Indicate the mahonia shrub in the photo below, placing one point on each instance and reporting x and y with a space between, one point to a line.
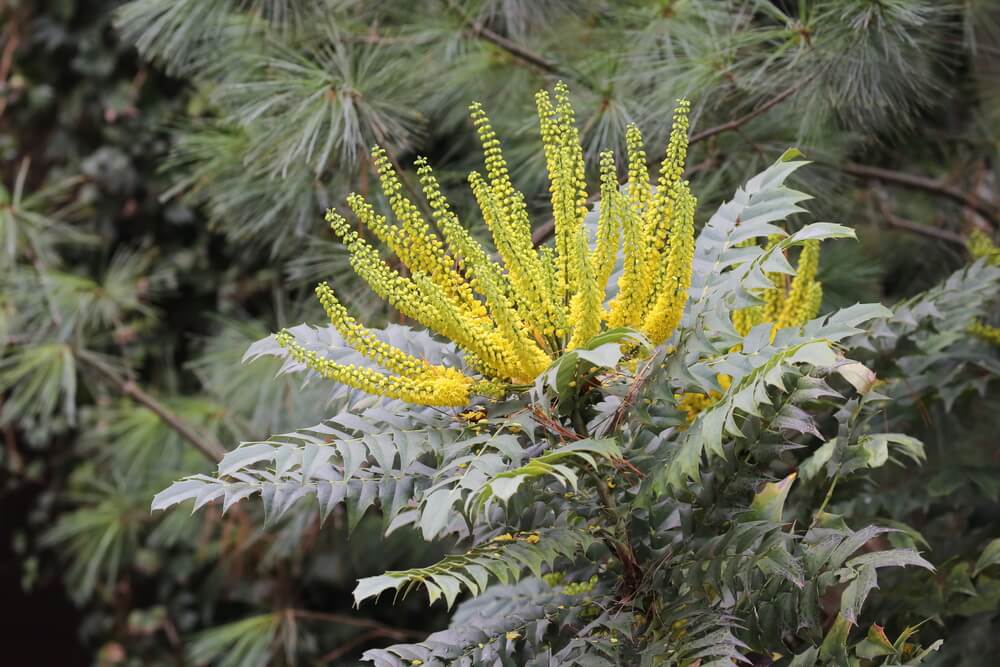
631 435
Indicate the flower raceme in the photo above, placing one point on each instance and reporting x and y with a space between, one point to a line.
789 302
514 315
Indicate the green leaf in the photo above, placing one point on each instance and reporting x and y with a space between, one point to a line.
790 154
859 375
834 646
854 596
813 465
436 512
375 586
603 356
504 557
890 558
805 659
779 561
186 489
768 504
875 645
990 556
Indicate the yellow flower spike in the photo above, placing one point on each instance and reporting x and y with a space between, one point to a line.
364 341
574 180
426 303
647 224
511 201
980 246
988 333
564 159
512 224
638 174
585 307
797 303
548 129
625 308
400 292
511 317
571 139
524 269
522 358
470 255
772 299
608 223
673 292
746 319
788 303
417 246
660 211
491 349
488 280
672 168
559 324
448 390
812 303
567 225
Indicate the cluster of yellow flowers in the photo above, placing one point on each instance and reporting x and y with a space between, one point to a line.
692 403
981 247
788 303
987 332
513 317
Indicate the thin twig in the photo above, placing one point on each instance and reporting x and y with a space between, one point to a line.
989 210
746 118
542 233
826 500
514 49
203 443
915 227
348 646
354 621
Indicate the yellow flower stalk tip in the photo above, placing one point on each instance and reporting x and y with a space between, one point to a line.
514 311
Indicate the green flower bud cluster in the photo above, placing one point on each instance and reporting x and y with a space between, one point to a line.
580 587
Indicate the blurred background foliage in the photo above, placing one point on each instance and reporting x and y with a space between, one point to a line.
165 168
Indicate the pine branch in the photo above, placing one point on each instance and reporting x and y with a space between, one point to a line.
535 60
203 443
915 227
736 123
932 186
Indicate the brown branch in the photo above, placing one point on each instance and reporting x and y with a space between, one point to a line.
736 123
988 210
345 648
915 227
203 443
514 49
542 234
7 59
358 622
